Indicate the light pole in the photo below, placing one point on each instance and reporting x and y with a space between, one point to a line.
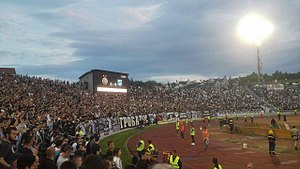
258 64
254 29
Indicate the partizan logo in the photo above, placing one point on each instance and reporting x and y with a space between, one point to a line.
104 80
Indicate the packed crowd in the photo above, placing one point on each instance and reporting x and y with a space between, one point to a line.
210 99
35 98
283 99
41 120
63 153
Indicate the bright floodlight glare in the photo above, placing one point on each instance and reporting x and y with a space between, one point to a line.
254 28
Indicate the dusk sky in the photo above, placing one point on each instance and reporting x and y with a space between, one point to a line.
161 40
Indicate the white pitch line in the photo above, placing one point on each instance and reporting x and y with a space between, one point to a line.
246 152
289 162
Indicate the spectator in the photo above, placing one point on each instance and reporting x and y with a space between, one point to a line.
81 150
64 155
110 150
58 146
77 160
143 162
133 163
36 162
65 141
68 165
161 166
117 158
93 162
48 162
93 146
27 144
109 163
6 153
26 161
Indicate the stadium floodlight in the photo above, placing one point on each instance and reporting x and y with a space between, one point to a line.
253 28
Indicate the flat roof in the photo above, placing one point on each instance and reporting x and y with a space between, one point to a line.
107 71
8 70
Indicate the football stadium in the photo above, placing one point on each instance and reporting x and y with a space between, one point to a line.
149 85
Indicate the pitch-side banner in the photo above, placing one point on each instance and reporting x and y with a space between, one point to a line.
132 121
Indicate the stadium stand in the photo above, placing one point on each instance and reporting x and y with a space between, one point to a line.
58 113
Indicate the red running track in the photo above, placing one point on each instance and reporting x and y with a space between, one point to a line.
230 156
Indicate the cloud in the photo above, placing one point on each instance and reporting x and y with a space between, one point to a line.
138 15
26 42
45 52
147 39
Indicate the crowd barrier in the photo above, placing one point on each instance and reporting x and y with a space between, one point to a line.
111 126
261 125
253 131
108 126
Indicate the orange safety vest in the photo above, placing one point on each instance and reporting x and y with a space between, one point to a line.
205 134
182 128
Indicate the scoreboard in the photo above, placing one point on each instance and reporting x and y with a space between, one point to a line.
105 81
111 82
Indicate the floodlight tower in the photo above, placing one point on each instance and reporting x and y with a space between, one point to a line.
258 63
254 28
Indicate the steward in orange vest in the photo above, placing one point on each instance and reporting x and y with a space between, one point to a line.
182 129
205 138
